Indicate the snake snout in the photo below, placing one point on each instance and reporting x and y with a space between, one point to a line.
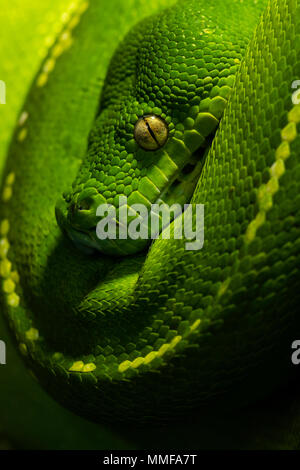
79 213
79 217
82 210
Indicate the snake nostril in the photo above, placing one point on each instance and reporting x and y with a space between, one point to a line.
82 210
80 206
84 205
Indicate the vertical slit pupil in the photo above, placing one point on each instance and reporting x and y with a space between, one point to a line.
150 131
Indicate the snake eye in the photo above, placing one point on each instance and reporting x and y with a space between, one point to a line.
151 132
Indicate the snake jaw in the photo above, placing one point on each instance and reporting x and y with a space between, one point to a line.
78 217
171 178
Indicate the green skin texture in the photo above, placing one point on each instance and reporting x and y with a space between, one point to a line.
117 310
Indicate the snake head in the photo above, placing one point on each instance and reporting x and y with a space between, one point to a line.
160 106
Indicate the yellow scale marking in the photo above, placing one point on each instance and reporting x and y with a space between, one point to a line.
160 353
265 201
266 191
10 278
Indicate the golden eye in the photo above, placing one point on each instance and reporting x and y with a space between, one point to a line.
151 132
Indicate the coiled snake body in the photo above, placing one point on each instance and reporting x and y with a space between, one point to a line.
157 331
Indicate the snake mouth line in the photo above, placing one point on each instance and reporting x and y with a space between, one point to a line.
183 184
178 190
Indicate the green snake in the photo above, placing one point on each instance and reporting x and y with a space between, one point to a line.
151 332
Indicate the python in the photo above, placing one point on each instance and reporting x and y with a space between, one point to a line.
157 335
